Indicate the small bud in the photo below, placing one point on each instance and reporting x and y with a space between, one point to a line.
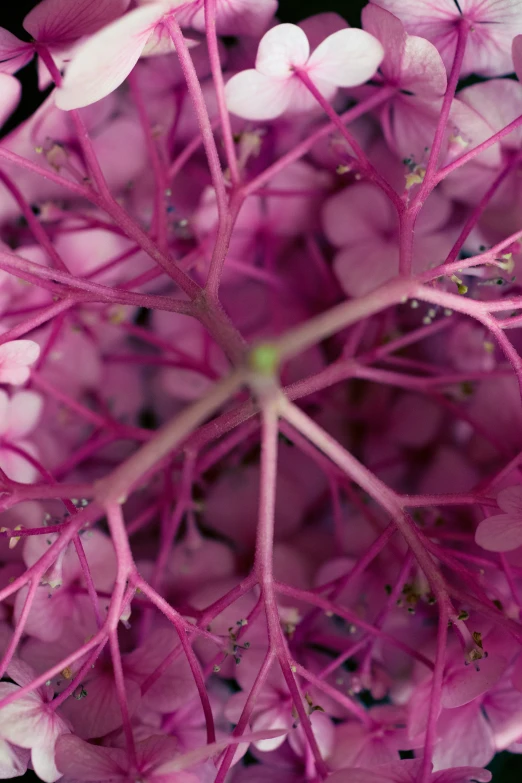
13 541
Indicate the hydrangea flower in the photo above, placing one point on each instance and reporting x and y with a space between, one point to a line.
344 59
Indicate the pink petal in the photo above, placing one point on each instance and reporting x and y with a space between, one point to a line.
10 91
397 772
193 757
281 49
60 21
42 758
25 408
423 71
500 533
391 33
462 775
15 358
510 500
516 51
4 409
79 760
370 214
99 713
13 760
233 17
465 737
254 96
362 268
320 26
346 58
105 60
14 53
467 682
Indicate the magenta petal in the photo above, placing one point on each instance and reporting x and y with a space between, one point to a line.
81 761
467 682
62 21
510 500
500 533
14 53
10 91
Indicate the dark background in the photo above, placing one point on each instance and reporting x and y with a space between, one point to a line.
506 768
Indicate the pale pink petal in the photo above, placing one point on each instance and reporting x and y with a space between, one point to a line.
14 53
268 719
500 533
346 58
4 411
60 21
423 71
25 408
13 760
10 91
105 60
282 49
15 358
510 500
42 758
254 96
498 102
79 760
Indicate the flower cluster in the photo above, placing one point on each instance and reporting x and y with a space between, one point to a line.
260 394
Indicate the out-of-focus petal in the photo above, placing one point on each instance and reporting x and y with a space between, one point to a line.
500 533
61 21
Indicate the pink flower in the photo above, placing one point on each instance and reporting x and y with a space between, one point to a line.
15 359
503 532
344 59
30 721
492 26
414 66
369 251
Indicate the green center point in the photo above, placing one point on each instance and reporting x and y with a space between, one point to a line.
264 359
